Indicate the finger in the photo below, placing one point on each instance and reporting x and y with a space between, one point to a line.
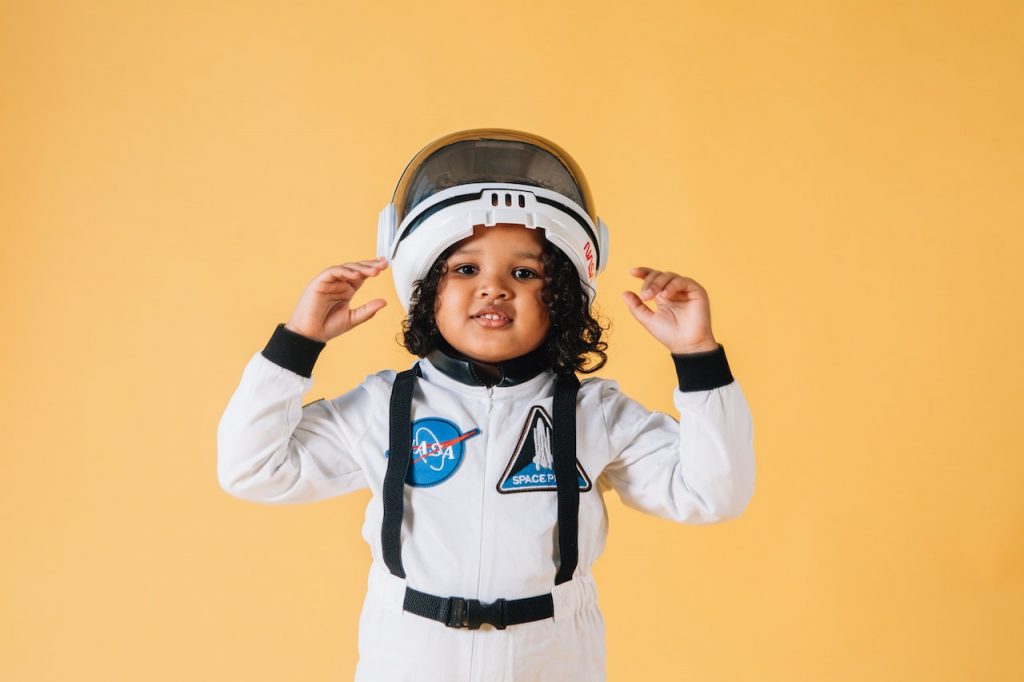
341 283
639 271
345 272
640 311
376 263
646 289
680 285
363 267
367 310
360 267
657 283
363 271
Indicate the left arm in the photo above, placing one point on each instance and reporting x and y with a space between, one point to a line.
701 468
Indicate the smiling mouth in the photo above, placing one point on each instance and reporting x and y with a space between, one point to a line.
492 321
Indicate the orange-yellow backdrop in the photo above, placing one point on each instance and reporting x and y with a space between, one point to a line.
840 177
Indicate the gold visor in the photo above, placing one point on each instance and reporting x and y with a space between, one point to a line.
485 155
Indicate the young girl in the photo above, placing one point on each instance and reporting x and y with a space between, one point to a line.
487 458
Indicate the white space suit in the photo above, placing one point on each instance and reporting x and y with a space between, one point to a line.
480 505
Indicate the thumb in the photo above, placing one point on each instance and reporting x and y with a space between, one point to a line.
367 310
640 311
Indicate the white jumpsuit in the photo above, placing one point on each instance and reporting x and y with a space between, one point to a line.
480 511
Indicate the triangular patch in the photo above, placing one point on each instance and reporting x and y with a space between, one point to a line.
531 465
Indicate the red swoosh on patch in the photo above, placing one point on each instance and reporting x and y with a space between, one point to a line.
444 444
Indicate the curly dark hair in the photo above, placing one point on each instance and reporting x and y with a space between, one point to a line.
574 334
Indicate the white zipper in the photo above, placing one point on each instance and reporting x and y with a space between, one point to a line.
474 654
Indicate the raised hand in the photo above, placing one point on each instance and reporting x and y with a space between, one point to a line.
325 311
682 320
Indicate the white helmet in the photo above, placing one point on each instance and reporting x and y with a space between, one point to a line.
487 176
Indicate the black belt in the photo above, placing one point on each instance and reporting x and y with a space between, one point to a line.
459 612
456 612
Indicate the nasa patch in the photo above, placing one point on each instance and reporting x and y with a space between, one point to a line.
531 466
438 446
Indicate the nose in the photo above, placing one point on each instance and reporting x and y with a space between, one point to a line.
493 286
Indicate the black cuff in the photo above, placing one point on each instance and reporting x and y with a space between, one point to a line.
702 371
293 351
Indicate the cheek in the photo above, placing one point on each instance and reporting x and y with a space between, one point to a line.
441 312
442 285
448 304
543 299
439 299
540 312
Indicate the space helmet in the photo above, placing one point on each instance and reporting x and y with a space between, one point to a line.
487 176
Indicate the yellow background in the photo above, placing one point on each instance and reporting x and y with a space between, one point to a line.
839 175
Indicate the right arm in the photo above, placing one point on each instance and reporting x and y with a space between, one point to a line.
270 447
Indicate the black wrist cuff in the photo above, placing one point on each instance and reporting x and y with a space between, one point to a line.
293 351
702 371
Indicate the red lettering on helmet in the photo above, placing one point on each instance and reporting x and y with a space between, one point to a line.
588 253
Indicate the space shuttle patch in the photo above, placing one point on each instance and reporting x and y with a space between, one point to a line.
531 466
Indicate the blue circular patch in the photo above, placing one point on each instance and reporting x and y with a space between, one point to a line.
437 449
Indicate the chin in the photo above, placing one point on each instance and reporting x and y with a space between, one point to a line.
490 354
491 357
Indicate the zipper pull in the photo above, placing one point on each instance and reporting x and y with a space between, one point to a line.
490 398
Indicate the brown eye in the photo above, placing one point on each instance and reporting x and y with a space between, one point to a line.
530 274
461 267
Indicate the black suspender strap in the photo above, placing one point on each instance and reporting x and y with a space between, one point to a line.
399 457
563 445
471 613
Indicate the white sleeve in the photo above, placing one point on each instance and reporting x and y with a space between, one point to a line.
699 469
271 448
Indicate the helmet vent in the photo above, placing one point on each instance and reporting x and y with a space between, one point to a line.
519 198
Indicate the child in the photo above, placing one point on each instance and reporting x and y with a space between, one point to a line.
488 459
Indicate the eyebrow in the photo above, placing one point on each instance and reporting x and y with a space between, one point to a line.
515 254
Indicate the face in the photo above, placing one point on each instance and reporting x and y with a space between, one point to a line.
496 272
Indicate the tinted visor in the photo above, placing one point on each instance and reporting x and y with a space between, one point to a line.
475 161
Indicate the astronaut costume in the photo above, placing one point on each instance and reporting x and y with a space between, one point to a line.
487 508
